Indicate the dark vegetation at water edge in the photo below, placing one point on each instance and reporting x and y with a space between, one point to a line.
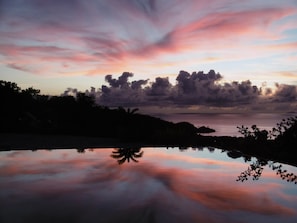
278 144
26 111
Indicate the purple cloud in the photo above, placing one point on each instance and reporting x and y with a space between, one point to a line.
285 93
196 89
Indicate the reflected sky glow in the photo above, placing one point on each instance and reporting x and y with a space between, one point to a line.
165 186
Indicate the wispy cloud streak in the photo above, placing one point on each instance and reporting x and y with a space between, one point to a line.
105 35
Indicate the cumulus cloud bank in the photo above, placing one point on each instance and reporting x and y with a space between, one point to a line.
195 89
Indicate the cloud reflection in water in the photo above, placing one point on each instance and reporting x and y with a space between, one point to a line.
65 186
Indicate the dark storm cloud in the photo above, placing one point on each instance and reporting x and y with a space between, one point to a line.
239 93
121 82
203 89
122 92
136 85
161 87
198 88
285 93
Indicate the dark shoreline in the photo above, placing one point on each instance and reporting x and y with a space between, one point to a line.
32 121
264 151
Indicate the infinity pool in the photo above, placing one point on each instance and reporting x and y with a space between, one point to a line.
144 185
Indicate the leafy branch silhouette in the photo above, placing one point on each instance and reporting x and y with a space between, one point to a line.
289 177
282 128
256 168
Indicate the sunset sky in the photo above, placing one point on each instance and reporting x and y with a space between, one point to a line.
55 45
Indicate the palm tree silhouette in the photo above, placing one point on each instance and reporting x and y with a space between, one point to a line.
125 154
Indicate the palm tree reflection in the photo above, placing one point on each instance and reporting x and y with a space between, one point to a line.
127 154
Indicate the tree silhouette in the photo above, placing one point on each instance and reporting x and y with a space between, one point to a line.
256 168
31 92
128 110
125 154
289 177
284 130
81 150
255 133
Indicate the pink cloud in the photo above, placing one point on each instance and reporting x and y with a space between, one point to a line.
221 28
216 197
291 46
228 199
233 25
195 160
288 74
95 38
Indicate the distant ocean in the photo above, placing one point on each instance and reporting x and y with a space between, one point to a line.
225 124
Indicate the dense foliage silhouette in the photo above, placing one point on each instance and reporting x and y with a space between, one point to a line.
280 142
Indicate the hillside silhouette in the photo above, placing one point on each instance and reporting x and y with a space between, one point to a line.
26 111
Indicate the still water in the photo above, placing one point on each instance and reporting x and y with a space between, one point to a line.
164 185
225 124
